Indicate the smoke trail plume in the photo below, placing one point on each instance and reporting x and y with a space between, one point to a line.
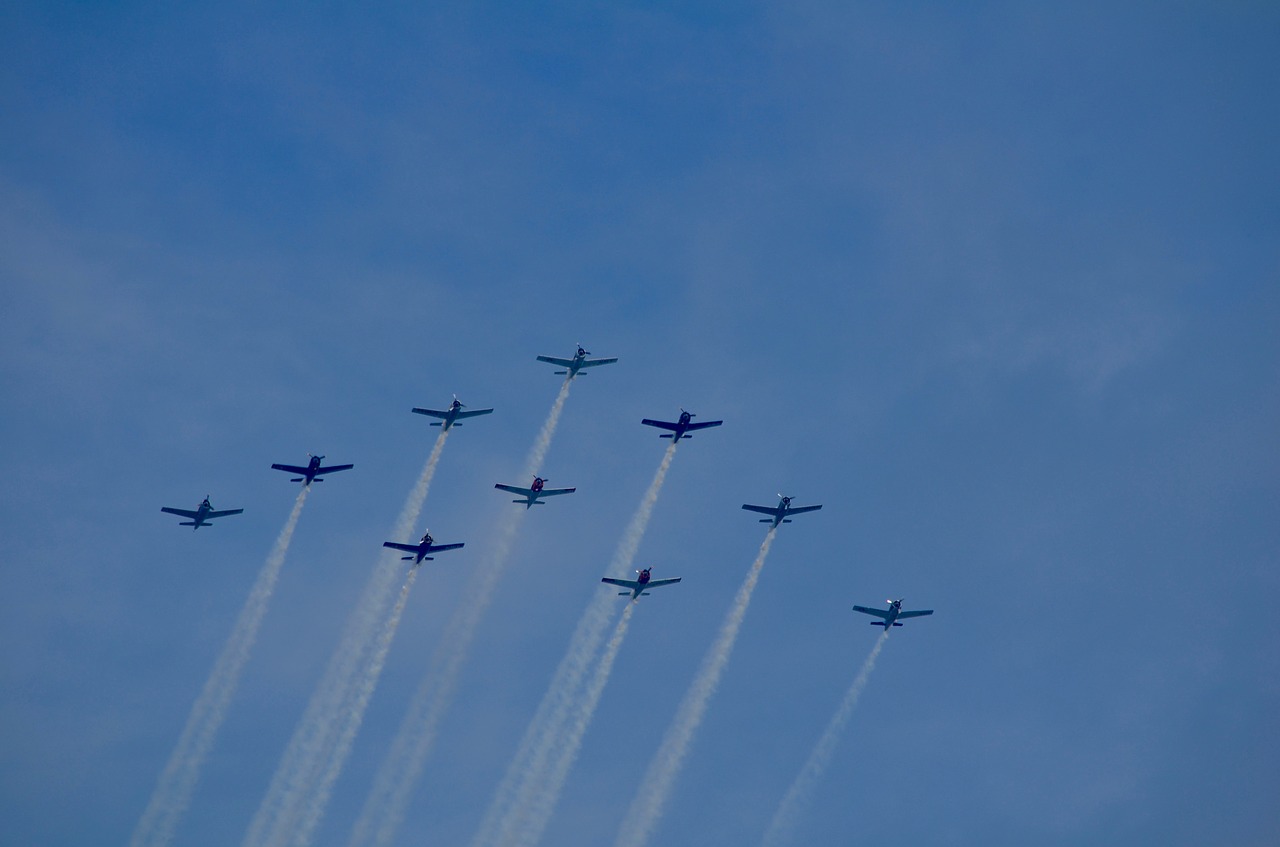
797 797
301 767
530 763
319 800
177 782
650 802
385 807
529 830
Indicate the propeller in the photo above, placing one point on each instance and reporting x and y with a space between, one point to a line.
458 402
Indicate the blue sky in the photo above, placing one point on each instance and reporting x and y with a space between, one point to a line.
998 286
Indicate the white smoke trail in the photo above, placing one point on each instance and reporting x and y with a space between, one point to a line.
528 767
385 807
177 782
797 797
300 768
314 809
530 829
531 760
647 808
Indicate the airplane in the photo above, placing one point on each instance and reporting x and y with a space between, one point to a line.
780 511
312 472
577 363
681 428
891 616
640 586
533 492
421 549
202 515
451 416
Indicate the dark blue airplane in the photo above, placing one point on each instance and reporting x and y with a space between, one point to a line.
420 550
640 586
779 512
312 472
891 615
680 428
202 514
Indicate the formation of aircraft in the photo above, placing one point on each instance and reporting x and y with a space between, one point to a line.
534 494
531 495
889 617
639 587
681 427
579 362
202 514
453 415
312 472
421 550
779 512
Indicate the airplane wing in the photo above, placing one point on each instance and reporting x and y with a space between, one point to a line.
654 583
703 425
432 413
548 492
624 583
591 363
473 413
436 548
289 468
916 614
796 510
662 424
407 548
764 510
224 513
523 492
334 469
564 363
186 513
879 613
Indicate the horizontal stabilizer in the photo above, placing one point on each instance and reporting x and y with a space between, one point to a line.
786 520
668 435
188 523
623 593
895 623
299 479
766 520
437 423
406 558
